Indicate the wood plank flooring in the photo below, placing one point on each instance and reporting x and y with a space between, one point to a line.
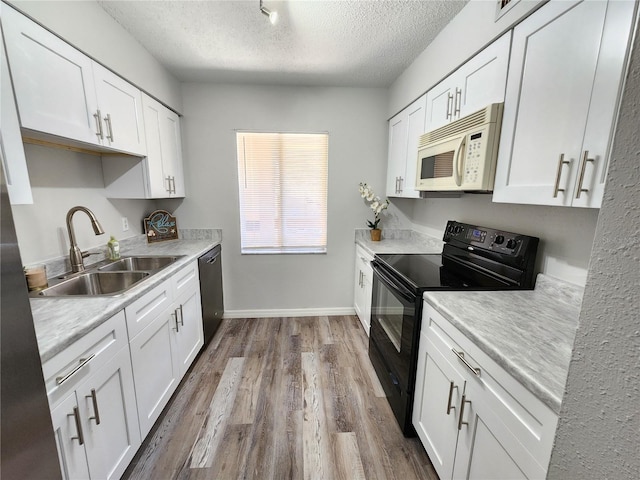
281 398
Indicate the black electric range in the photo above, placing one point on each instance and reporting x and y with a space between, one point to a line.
473 258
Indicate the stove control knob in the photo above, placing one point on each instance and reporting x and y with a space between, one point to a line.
511 244
499 240
457 229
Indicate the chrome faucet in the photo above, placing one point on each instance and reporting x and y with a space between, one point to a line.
76 256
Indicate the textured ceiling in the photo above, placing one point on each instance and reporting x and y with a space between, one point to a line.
339 42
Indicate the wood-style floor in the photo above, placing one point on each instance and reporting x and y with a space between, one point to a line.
281 398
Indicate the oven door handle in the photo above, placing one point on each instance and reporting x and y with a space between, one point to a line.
394 286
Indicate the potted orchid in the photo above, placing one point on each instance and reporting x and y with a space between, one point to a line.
377 205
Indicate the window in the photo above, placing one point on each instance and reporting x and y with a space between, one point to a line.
283 192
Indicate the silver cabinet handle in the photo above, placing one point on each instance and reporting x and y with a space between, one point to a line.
460 355
181 316
585 159
107 121
94 400
449 406
168 179
561 162
174 314
401 184
98 118
458 101
76 415
173 181
460 422
449 106
83 361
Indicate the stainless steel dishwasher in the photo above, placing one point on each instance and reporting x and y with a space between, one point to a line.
210 266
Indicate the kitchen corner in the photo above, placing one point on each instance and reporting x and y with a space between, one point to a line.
61 321
529 333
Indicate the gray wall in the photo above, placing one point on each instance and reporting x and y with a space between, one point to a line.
597 435
61 179
355 120
566 234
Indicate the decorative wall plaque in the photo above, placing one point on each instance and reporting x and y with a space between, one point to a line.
160 226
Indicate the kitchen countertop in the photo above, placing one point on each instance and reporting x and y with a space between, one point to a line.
528 333
60 321
399 241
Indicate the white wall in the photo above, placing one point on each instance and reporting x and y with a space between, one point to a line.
468 33
597 435
355 120
60 180
90 29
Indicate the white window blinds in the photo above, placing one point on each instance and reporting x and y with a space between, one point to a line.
283 192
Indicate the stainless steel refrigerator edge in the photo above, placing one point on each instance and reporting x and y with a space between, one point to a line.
27 444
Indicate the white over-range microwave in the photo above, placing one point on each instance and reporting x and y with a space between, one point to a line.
461 156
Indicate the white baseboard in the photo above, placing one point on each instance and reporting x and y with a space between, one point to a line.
295 312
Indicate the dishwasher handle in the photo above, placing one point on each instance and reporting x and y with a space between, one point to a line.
211 256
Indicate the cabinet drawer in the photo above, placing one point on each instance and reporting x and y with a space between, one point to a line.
186 280
523 414
77 362
144 310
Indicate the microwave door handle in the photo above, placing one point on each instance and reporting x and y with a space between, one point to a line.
456 166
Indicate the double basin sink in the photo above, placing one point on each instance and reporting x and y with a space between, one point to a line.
112 278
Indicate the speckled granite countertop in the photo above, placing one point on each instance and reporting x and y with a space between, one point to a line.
399 241
528 333
60 321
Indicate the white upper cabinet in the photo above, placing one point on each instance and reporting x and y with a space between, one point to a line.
14 162
120 111
53 81
476 84
164 157
565 73
62 92
404 132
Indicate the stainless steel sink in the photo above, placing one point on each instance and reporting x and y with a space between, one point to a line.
139 264
95 283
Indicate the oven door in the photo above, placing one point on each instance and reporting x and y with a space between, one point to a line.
394 326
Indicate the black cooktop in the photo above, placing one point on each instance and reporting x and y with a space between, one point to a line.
476 258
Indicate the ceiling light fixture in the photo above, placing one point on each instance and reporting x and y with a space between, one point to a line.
273 16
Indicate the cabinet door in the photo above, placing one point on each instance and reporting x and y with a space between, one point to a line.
415 127
487 448
440 104
190 335
439 389
482 80
476 84
120 105
396 160
156 369
363 288
108 411
14 162
551 77
71 443
53 81
164 150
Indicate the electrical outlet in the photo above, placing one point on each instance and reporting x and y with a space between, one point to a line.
125 224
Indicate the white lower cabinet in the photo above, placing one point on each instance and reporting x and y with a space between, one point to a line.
93 407
363 287
170 338
475 420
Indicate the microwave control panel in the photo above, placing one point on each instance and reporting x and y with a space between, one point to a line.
475 145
